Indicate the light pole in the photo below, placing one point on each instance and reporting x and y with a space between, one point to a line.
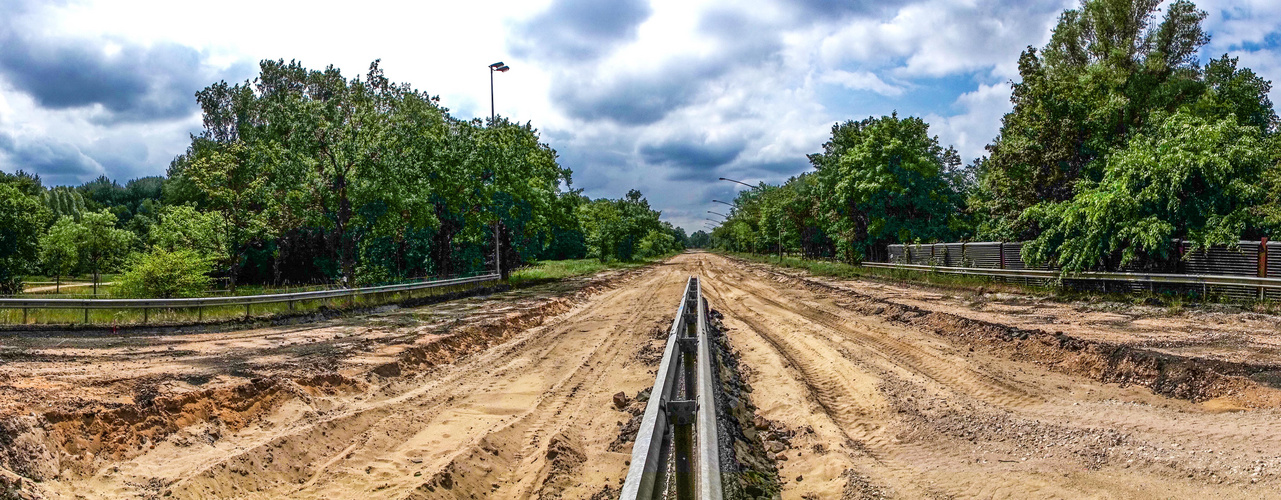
497 67
718 213
780 219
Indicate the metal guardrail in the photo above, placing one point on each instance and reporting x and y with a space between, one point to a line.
244 300
682 400
1192 279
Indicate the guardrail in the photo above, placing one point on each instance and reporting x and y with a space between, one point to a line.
199 303
682 400
1148 278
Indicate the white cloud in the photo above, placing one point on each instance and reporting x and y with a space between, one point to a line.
977 124
861 80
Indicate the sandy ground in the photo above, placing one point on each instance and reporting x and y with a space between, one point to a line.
880 409
510 396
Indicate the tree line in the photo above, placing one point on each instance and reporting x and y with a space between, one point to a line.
1119 141
304 176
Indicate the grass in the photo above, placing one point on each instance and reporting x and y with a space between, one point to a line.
124 317
551 270
1175 303
537 272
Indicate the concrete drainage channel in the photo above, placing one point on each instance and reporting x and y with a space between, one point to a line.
696 439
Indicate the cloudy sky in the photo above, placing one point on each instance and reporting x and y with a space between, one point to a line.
664 96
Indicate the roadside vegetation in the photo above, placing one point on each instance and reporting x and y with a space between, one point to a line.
1121 139
302 177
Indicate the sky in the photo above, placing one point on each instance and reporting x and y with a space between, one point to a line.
664 96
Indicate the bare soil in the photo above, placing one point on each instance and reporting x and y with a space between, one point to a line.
896 391
858 389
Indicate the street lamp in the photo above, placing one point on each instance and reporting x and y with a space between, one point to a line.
718 213
724 203
740 182
497 67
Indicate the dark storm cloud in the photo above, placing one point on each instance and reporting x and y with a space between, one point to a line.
57 162
691 159
579 30
135 84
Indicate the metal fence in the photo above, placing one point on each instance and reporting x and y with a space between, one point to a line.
200 303
669 459
1244 272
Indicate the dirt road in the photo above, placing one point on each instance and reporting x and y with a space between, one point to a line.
511 396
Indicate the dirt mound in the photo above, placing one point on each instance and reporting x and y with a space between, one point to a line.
564 458
470 339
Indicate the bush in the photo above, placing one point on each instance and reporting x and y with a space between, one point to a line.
162 274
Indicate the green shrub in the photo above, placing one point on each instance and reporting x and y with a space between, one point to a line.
163 274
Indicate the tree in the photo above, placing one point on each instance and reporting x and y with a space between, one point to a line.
166 274
882 181
101 243
236 187
22 218
1192 178
59 252
1107 68
185 228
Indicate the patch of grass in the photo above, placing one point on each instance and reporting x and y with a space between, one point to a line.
549 270
179 316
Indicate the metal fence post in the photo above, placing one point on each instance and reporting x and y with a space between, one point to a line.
24 315
145 311
1263 264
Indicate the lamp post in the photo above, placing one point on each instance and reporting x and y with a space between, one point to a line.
780 220
718 213
497 67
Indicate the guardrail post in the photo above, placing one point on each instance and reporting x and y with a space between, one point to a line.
681 415
24 315
145 311
86 315
246 311
689 364
200 313
291 306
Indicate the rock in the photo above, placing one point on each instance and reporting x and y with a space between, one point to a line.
774 446
799 478
761 423
620 400
781 457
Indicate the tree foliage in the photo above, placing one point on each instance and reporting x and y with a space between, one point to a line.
166 274
22 219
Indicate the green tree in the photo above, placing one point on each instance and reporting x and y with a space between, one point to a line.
1107 68
59 252
236 187
22 218
102 245
1192 178
883 182
185 228
165 274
